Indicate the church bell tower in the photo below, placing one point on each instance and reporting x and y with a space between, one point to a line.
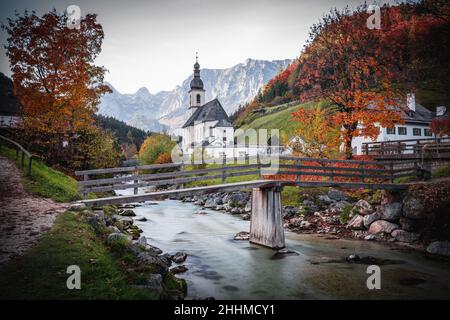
197 93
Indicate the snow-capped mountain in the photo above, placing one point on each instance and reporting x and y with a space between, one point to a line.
169 109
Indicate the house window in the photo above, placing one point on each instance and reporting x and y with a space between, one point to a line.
211 131
402 131
224 135
390 130
198 98
417 131
427 132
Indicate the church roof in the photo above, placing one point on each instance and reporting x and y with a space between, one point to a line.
211 111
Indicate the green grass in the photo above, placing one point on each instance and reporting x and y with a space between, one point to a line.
45 181
41 272
442 172
280 120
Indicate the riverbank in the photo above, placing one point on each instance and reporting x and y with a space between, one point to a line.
112 264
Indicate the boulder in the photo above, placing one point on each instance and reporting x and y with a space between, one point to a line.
159 263
142 241
405 236
370 218
337 207
356 223
288 212
243 235
152 250
116 237
391 212
246 216
413 208
179 257
336 195
305 225
142 219
324 199
128 213
220 207
210 203
441 248
154 283
179 269
96 220
295 222
409 224
363 207
248 206
382 226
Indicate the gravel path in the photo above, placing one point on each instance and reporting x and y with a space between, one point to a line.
23 217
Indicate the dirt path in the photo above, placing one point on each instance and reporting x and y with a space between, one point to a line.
23 217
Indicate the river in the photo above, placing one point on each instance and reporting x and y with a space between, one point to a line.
224 268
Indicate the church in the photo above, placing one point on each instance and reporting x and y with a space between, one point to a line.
208 126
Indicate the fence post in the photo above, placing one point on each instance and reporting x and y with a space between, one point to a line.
399 145
181 170
363 172
135 189
85 178
224 161
30 159
382 148
392 171
17 154
331 171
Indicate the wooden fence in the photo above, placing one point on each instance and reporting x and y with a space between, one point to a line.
413 147
283 168
21 152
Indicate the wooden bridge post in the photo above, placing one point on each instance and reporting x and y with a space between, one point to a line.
266 227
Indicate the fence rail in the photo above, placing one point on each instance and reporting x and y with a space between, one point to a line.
411 147
21 152
287 167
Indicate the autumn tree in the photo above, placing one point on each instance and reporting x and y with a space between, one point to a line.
316 133
346 63
441 126
155 147
55 77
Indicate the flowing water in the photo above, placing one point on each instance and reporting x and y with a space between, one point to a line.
224 268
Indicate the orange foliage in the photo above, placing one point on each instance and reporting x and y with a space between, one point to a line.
164 158
54 75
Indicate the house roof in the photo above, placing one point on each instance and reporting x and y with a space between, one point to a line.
421 114
210 111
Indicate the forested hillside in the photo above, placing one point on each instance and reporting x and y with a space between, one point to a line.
344 61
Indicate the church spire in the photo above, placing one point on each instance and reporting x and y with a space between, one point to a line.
197 93
197 82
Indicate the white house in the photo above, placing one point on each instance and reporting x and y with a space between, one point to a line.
417 120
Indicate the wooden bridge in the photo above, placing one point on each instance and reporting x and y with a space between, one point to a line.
266 179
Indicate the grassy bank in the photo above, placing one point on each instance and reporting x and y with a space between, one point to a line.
45 181
41 272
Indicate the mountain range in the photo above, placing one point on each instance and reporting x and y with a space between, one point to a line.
168 110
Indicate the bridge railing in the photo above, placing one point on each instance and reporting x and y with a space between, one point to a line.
435 146
291 168
21 152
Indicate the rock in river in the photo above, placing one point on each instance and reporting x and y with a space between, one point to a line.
441 248
243 235
382 226
179 257
179 269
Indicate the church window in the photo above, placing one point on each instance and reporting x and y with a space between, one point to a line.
198 98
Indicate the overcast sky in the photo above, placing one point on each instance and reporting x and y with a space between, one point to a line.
153 43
